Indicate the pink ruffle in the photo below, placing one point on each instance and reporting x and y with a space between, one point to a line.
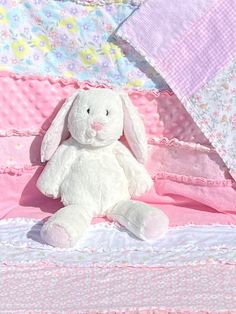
82 85
193 180
16 132
177 143
18 171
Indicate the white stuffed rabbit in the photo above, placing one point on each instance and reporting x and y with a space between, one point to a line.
94 173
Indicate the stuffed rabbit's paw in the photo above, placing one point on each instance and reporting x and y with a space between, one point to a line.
140 184
48 189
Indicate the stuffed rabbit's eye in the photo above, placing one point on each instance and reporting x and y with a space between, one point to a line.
88 110
107 112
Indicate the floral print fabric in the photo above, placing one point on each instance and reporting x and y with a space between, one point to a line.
65 39
213 108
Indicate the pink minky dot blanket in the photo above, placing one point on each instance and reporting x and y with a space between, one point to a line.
199 191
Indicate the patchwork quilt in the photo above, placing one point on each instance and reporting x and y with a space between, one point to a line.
176 60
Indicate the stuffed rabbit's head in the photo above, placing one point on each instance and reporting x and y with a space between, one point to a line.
96 118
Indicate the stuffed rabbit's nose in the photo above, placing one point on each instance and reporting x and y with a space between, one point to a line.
97 126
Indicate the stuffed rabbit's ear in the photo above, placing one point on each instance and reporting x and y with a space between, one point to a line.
134 129
58 131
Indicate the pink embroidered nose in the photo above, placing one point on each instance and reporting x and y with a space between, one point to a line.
97 126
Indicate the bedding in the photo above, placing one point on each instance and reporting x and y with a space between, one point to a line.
192 269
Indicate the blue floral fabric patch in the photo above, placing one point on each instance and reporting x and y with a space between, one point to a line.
65 39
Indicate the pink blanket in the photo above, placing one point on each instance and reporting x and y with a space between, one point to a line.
193 45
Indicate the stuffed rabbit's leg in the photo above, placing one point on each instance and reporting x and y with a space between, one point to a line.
144 221
66 226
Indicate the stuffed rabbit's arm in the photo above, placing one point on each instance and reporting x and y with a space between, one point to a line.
137 176
56 169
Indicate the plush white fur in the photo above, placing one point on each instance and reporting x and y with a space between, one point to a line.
93 172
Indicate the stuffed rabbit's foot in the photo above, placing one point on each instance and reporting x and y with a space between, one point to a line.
155 226
56 235
66 226
145 222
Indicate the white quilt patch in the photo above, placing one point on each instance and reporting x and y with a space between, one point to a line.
110 245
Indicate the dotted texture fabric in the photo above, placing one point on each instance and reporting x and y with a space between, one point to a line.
208 289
